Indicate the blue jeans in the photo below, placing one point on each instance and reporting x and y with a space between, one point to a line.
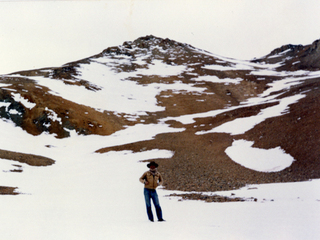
152 194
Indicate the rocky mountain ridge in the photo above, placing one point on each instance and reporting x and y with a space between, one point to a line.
295 57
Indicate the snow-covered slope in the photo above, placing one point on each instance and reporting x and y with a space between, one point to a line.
212 123
86 195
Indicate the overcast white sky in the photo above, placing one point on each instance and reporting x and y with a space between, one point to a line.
35 34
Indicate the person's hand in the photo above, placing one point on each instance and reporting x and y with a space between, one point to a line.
146 182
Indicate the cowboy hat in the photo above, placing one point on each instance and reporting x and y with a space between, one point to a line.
152 164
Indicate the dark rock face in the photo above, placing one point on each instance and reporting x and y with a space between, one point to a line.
310 57
66 72
295 57
14 111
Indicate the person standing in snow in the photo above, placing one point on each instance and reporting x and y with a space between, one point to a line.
151 180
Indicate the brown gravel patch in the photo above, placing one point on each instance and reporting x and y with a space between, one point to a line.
30 159
8 191
209 198
199 162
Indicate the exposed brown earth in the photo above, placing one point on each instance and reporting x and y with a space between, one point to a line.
8 191
30 159
209 198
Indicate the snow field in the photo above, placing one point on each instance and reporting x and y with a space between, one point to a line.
86 195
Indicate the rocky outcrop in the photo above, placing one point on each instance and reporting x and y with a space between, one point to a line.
294 57
11 110
36 110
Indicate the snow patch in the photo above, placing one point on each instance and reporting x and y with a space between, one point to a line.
262 160
53 115
215 79
237 66
242 125
5 104
18 98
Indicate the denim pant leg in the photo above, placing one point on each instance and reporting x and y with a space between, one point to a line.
147 197
156 203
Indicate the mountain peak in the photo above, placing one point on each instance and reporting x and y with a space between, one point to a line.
146 45
151 40
289 48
